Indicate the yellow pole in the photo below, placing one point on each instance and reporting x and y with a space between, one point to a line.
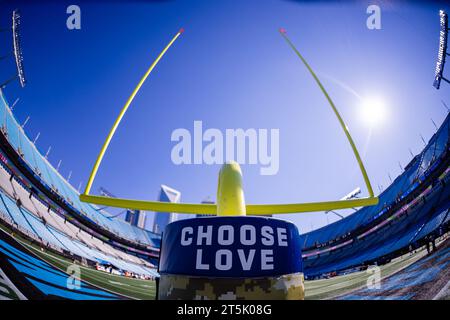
230 194
122 113
341 121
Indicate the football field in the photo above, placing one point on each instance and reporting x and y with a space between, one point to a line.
145 289
333 287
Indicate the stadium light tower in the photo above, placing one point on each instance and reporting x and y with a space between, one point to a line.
442 52
17 51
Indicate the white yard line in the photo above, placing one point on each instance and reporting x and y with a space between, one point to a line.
443 292
4 279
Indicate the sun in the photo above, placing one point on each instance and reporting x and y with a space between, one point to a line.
373 111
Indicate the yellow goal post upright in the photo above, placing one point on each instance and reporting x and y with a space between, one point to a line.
230 199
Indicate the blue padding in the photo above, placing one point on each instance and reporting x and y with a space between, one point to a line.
50 290
19 254
231 247
35 268
54 279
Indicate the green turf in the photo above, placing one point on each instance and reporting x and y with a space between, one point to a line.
329 288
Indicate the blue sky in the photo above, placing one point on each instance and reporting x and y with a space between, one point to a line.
230 69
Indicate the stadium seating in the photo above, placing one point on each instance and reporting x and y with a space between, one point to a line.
44 221
412 207
57 239
405 183
53 180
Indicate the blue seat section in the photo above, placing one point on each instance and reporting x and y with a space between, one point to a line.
153 238
414 173
41 230
8 123
120 264
33 157
50 235
26 148
49 280
40 166
72 245
432 225
8 205
425 217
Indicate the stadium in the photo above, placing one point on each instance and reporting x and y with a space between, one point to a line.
55 246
